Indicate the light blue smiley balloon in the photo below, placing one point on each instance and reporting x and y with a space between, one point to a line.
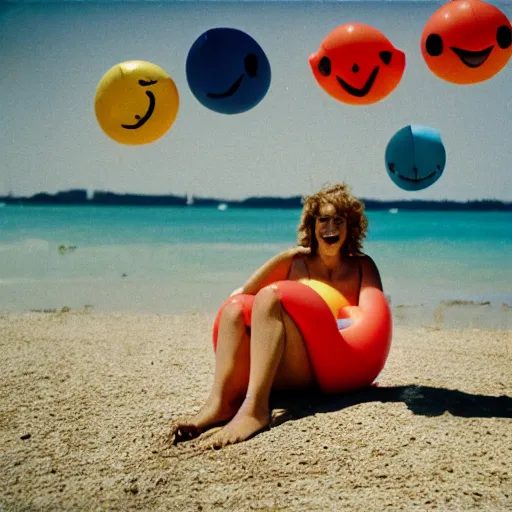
415 157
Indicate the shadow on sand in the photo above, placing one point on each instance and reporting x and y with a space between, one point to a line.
423 400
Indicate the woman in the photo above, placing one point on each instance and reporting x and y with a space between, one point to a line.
272 353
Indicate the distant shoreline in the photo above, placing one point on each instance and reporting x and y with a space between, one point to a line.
79 197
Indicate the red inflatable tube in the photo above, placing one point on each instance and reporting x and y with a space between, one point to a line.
344 360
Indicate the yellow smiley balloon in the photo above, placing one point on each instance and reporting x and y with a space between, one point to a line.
136 102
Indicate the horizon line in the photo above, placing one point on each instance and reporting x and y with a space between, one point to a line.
81 196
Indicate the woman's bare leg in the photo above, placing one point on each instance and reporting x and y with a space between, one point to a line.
278 358
230 380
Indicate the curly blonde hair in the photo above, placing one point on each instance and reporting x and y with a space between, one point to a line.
346 204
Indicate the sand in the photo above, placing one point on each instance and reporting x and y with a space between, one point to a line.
86 401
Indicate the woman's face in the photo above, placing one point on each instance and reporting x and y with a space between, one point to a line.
330 230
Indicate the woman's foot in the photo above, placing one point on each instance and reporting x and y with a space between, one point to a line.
248 422
213 413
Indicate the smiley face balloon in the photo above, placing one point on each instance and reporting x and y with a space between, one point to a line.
357 64
466 41
415 157
136 102
227 71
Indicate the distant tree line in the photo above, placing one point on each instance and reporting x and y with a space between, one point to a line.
100 198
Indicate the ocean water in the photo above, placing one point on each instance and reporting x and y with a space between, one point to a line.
173 260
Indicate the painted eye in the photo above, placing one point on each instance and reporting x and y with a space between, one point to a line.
146 83
434 45
385 57
391 167
324 66
251 64
504 37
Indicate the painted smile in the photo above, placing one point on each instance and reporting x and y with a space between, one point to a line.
472 59
407 178
229 92
359 93
142 120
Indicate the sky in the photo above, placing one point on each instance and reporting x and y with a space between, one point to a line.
53 55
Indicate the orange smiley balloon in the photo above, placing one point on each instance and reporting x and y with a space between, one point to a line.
466 41
357 64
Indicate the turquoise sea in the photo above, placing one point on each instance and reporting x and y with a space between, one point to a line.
173 260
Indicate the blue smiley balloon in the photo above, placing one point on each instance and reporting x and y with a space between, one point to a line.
415 157
227 71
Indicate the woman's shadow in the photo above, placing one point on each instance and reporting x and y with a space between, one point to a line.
423 400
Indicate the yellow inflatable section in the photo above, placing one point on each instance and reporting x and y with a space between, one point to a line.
334 299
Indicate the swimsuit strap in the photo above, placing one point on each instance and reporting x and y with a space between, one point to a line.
304 261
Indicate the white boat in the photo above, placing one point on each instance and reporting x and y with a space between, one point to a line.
222 207
190 199
393 210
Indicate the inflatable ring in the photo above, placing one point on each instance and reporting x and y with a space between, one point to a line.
344 360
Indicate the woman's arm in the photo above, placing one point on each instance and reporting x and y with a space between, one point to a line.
371 275
275 269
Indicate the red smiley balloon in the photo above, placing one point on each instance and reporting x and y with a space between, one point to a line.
466 41
357 64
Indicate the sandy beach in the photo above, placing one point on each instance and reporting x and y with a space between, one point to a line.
87 399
